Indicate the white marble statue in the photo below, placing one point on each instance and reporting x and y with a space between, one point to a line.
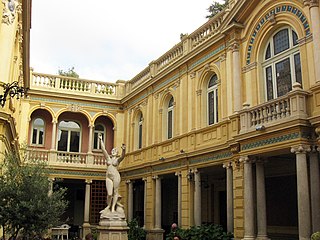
114 208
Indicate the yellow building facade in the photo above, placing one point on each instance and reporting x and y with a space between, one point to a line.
222 128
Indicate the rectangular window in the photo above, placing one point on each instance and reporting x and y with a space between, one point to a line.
63 140
74 141
297 68
41 134
140 136
283 75
34 136
269 83
169 124
211 107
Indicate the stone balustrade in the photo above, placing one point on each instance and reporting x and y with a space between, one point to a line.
282 109
74 85
70 159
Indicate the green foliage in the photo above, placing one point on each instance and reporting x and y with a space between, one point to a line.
203 232
135 232
25 205
216 7
315 236
69 73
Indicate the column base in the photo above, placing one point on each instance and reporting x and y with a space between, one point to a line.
86 228
249 238
263 237
155 234
112 232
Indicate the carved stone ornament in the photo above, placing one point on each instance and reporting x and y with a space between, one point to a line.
74 108
10 9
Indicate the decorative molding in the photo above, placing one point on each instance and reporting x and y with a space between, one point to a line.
74 107
300 149
284 8
270 141
10 10
211 158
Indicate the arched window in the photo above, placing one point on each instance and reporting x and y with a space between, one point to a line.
98 129
212 101
140 121
69 136
170 119
281 63
38 132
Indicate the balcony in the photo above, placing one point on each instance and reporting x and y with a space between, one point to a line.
77 86
283 109
68 159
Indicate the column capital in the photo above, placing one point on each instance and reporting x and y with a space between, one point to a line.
91 125
54 121
300 149
227 165
311 3
245 159
145 179
155 177
51 179
88 181
178 174
128 181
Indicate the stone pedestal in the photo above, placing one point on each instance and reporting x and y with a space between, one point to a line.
113 225
155 234
113 233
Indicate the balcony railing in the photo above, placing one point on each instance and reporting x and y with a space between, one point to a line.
291 106
78 86
62 159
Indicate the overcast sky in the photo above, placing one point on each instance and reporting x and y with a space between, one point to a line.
108 40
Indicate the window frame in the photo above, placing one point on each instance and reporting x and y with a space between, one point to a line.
37 127
103 132
213 89
69 130
275 59
170 113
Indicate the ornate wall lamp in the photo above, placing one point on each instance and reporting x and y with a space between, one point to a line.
12 89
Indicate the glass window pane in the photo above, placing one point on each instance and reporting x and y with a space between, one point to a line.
169 124
210 108
34 136
140 136
74 141
268 52
213 81
95 140
283 74
39 122
297 68
69 124
63 139
269 83
41 134
294 38
281 41
170 102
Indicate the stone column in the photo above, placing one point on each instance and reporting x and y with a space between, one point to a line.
145 202
90 138
130 200
236 77
315 190
178 174
248 199
86 224
304 216
158 203
53 136
228 167
261 202
315 22
51 180
197 198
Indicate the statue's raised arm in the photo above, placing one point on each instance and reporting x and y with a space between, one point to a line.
103 148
